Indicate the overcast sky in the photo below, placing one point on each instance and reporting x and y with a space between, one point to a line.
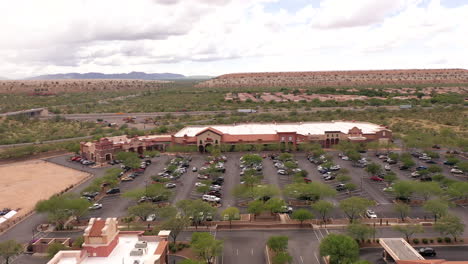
213 37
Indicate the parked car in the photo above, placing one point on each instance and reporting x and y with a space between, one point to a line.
126 179
415 174
90 194
194 169
345 158
113 191
376 178
215 193
371 214
282 172
427 252
335 167
211 198
202 177
199 184
95 206
403 167
387 167
449 163
215 188
340 187
329 178
421 168
170 185
151 218
456 171
286 209
388 189
430 161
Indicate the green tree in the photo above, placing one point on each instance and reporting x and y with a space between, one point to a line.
403 189
129 159
60 208
191 261
355 206
312 191
9 249
434 169
175 225
390 177
274 205
344 178
302 215
437 207
402 210
373 168
252 159
206 246
156 190
323 208
463 166
458 190
427 189
54 248
78 242
278 243
195 210
409 230
450 225
360 231
143 210
232 213
282 258
255 207
341 249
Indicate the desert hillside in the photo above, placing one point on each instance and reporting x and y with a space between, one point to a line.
50 87
338 78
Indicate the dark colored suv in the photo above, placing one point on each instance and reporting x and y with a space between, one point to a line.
113 191
427 252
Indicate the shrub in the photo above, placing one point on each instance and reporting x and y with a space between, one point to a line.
416 241
431 240
425 241
368 241
439 240
377 240
447 240
78 242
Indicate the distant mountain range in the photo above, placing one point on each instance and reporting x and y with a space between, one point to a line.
131 75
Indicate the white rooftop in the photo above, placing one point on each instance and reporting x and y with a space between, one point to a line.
306 128
121 253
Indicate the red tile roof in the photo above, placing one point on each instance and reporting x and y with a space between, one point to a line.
210 129
96 229
250 138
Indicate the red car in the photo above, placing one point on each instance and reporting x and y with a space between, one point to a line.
375 178
307 180
74 158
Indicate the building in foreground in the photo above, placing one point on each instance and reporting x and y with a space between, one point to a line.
105 244
291 134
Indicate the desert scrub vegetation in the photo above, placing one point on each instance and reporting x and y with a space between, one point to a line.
24 130
25 151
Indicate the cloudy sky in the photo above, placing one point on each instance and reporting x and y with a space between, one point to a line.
212 37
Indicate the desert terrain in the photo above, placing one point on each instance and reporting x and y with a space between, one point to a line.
338 78
51 87
22 184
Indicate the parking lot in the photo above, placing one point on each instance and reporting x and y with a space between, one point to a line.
450 253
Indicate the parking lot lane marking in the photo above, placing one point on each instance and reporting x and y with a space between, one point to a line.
302 260
318 261
327 231
251 251
315 232
237 251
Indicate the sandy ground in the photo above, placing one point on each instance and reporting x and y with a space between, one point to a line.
22 184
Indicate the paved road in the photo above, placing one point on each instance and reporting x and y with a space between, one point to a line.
450 253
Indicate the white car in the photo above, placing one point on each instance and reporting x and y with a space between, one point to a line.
282 172
194 169
415 174
95 206
345 158
371 214
456 171
202 177
387 167
151 218
199 184
211 198
335 167
170 185
215 188
388 189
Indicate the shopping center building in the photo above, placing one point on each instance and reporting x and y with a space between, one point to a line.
284 134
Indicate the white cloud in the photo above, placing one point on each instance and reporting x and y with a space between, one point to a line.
221 36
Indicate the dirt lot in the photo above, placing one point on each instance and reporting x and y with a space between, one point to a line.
22 184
